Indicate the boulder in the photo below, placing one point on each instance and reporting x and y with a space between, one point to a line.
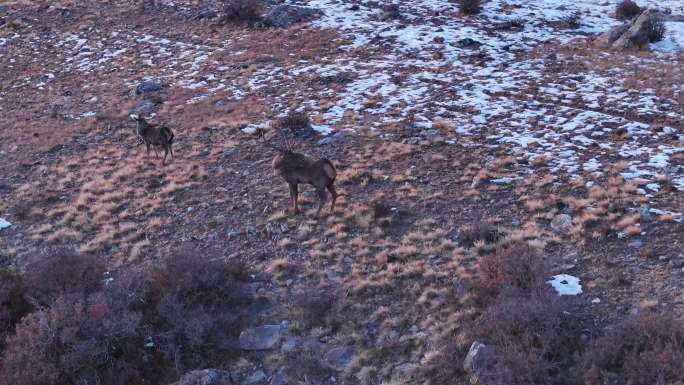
339 358
478 359
205 377
147 86
260 338
283 16
257 377
562 223
634 33
4 223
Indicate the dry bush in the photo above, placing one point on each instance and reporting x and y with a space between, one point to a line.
518 266
13 304
313 307
479 231
642 350
78 340
627 9
242 11
199 306
656 30
62 270
470 7
293 121
534 337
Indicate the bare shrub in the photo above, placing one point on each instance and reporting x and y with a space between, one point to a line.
627 9
643 349
78 340
61 270
293 121
199 304
242 11
518 266
534 338
13 304
655 28
470 7
312 307
479 231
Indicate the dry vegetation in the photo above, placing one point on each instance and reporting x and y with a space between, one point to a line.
436 243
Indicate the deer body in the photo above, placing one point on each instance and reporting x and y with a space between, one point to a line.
298 169
154 135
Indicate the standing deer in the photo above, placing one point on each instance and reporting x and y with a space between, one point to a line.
154 135
298 169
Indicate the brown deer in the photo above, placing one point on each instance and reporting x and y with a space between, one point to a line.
298 169
154 135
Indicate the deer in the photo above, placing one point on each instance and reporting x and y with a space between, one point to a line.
154 135
298 169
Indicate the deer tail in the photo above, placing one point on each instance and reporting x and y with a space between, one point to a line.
168 134
329 169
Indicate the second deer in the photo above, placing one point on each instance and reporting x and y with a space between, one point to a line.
154 135
298 169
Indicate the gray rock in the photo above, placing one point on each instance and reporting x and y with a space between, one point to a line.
260 338
631 34
284 16
4 223
606 39
637 243
278 378
478 359
147 86
637 34
339 358
562 223
332 139
205 377
255 378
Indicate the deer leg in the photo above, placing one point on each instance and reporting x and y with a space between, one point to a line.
294 194
166 152
331 188
156 153
171 151
322 196
148 149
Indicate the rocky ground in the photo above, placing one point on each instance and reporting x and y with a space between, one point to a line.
435 121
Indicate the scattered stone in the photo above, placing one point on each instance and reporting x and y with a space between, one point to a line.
284 16
260 338
278 378
206 13
562 223
221 189
478 359
339 358
402 368
206 377
147 86
257 377
468 43
332 139
4 224
637 243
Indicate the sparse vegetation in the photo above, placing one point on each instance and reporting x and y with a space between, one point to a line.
656 30
642 349
627 9
293 121
470 7
242 11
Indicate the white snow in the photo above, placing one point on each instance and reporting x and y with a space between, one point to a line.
566 284
4 223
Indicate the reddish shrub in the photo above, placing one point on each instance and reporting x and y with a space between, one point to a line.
518 266
60 270
656 30
13 304
199 306
627 9
470 7
642 350
534 338
65 344
242 11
